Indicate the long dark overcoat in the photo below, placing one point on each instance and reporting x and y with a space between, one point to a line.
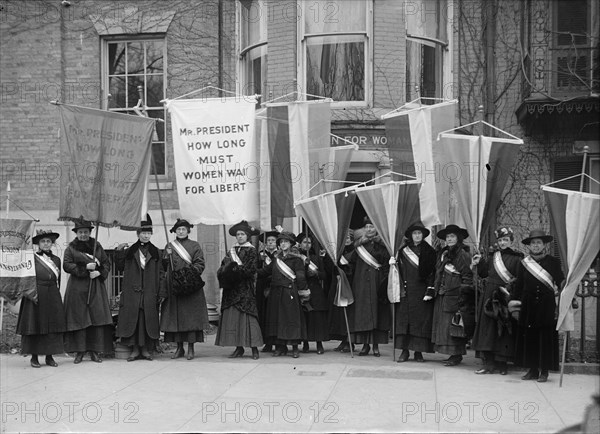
318 295
78 314
139 289
238 286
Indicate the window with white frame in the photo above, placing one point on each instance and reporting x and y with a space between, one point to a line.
253 45
135 69
426 47
335 39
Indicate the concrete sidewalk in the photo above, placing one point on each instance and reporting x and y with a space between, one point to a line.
315 393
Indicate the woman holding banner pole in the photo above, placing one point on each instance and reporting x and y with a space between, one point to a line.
88 317
184 315
41 321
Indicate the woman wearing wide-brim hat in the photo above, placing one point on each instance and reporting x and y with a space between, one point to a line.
184 314
41 322
87 310
414 313
239 325
494 336
453 293
538 285
266 255
285 323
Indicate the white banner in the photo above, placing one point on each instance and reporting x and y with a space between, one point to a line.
17 265
216 160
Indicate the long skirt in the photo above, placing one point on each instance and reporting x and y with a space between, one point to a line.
440 334
413 343
92 338
370 337
48 344
189 337
317 328
537 347
140 336
238 329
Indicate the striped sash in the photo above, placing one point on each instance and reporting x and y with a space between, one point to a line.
183 254
343 260
142 259
93 258
311 265
411 256
540 274
367 257
285 269
49 264
501 269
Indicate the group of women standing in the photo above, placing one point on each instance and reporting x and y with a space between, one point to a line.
284 296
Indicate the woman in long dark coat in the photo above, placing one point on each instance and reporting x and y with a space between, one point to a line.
494 338
336 318
41 321
89 325
414 313
370 316
453 293
285 323
315 312
263 283
538 285
184 316
138 303
239 325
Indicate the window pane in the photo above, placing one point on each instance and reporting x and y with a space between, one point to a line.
158 153
423 69
154 90
334 16
158 145
135 57
132 89
116 86
253 24
116 58
255 65
572 18
154 57
336 70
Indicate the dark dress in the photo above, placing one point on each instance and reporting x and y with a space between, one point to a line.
370 316
138 302
239 325
336 319
42 324
537 339
183 317
285 323
263 284
316 318
496 335
413 315
89 327
453 292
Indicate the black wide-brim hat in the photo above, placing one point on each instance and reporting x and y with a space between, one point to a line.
453 229
40 234
179 223
286 236
303 235
243 226
537 233
418 226
263 237
82 224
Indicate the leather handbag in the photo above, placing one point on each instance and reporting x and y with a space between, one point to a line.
457 326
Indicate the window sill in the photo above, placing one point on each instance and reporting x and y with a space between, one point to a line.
164 185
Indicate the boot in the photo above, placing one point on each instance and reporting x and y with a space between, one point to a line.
179 351
50 361
365 350
543 376
190 354
95 357
34 361
267 348
295 352
404 356
320 349
532 374
78 357
419 357
305 347
255 353
239 351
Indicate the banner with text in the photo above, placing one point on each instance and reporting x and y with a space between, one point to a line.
216 161
106 156
17 266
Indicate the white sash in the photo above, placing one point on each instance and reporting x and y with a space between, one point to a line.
412 257
501 269
367 257
343 260
450 268
539 273
183 254
92 258
311 265
234 254
142 259
287 271
49 263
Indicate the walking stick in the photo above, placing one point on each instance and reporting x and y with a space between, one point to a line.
348 330
94 259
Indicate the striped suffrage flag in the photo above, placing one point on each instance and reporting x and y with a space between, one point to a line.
288 131
575 225
328 216
477 168
392 207
411 135
331 165
17 262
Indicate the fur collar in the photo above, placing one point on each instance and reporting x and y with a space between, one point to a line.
84 246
